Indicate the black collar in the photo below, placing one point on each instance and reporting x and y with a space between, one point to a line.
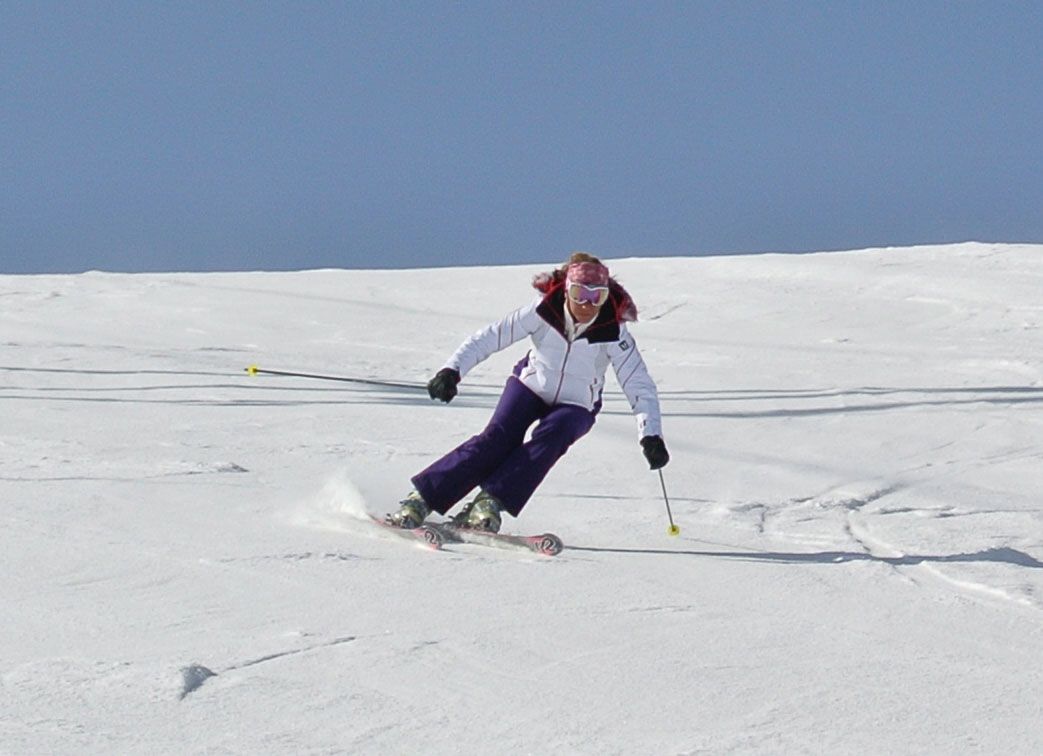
604 329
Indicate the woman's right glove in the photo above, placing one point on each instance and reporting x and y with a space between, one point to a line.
655 451
443 385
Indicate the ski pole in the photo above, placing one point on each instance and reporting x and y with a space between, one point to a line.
254 370
673 529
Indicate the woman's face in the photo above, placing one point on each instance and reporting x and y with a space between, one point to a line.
583 312
584 302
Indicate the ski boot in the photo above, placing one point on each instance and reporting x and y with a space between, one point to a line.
411 514
481 514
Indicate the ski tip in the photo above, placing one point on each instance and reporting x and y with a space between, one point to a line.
432 537
549 544
425 535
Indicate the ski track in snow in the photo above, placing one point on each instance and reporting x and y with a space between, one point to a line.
856 523
194 675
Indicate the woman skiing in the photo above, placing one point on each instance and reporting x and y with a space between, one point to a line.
577 328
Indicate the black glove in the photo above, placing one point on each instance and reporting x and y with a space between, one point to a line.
655 451
443 385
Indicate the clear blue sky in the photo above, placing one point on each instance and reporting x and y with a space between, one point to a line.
148 135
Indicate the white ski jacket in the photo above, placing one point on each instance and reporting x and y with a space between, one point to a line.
561 371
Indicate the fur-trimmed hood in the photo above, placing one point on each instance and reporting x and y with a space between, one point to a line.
622 304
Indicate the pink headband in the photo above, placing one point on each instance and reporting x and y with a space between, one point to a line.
589 273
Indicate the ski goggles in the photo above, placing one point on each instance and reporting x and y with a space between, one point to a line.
583 294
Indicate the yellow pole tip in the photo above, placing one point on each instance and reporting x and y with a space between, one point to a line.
252 370
673 530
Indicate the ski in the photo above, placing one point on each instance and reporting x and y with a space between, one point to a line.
426 535
546 544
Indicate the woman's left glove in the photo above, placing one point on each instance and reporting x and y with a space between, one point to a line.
655 451
443 385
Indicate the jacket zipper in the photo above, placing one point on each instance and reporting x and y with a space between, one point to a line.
561 379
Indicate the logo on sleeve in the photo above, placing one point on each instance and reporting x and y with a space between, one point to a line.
624 345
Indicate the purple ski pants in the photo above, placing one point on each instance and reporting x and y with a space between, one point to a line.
499 459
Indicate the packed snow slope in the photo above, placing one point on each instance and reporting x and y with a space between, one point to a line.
857 442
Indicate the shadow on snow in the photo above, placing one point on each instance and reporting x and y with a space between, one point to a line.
486 394
998 555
